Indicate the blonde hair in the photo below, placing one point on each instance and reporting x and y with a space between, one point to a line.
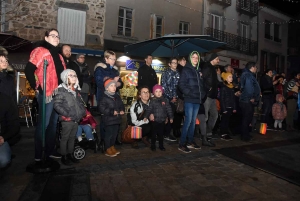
109 53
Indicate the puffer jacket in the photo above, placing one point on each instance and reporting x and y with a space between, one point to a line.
69 107
160 108
191 84
227 98
210 78
107 105
249 87
279 111
169 81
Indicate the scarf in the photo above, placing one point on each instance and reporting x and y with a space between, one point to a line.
111 95
63 85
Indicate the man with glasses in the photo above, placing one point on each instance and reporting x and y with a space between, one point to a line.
146 74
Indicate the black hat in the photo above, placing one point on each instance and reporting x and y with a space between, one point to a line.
213 56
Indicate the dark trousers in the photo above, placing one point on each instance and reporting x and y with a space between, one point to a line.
146 130
176 125
268 101
225 119
68 133
111 133
157 130
247 115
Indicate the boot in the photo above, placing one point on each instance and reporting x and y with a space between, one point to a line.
65 160
115 151
146 142
205 142
196 131
72 158
109 152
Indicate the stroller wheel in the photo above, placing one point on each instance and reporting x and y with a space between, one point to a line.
79 153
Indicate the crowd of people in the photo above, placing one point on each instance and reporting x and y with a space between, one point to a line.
212 100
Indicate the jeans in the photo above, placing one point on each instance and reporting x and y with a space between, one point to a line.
50 129
191 112
210 106
67 140
87 129
5 155
111 133
268 101
247 112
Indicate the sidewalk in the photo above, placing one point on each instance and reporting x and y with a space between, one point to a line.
171 175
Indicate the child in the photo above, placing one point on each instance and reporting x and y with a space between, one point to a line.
87 124
161 110
70 107
279 112
112 107
228 106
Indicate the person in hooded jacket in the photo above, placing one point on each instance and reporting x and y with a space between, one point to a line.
34 71
194 92
7 84
210 78
70 106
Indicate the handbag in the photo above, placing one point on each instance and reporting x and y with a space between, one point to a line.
136 132
180 106
126 135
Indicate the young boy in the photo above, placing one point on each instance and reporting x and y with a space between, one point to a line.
70 107
161 110
112 107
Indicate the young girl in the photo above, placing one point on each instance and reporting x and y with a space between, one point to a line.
70 107
161 110
228 106
112 107
279 112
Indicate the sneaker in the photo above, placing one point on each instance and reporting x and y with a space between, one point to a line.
184 149
55 155
193 145
226 137
170 138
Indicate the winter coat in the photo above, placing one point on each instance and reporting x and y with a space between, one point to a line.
279 111
69 107
147 76
101 71
227 98
85 76
160 108
210 79
107 105
191 84
249 87
7 85
169 82
88 119
266 85
136 109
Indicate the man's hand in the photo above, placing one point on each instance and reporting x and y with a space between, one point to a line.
121 112
145 119
252 100
151 117
116 113
238 93
1 140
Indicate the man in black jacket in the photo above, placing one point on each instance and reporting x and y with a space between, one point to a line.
146 74
210 78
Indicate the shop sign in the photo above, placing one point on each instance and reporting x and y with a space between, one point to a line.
235 63
224 60
134 65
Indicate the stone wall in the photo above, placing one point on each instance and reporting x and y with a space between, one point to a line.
29 19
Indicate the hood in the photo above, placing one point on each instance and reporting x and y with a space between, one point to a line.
64 78
104 65
190 57
278 96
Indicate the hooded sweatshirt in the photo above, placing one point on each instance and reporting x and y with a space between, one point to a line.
210 79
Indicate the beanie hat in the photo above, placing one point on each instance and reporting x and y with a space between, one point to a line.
79 54
157 86
291 85
64 78
213 56
108 82
225 75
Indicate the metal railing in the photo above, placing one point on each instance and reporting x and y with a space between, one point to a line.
234 42
249 6
222 2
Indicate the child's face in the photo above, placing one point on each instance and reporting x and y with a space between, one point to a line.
158 93
229 79
280 99
112 88
72 78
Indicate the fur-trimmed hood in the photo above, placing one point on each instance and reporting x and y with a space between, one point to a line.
104 65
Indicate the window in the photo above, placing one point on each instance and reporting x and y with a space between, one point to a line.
217 27
268 30
244 36
244 31
156 26
277 37
71 26
184 28
125 21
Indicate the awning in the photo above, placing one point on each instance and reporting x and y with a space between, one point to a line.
96 53
14 43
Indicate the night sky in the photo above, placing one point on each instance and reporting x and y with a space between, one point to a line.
290 8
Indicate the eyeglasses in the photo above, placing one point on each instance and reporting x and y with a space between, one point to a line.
173 62
4 61
145 92
54 36
81 57
112 59
72 75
